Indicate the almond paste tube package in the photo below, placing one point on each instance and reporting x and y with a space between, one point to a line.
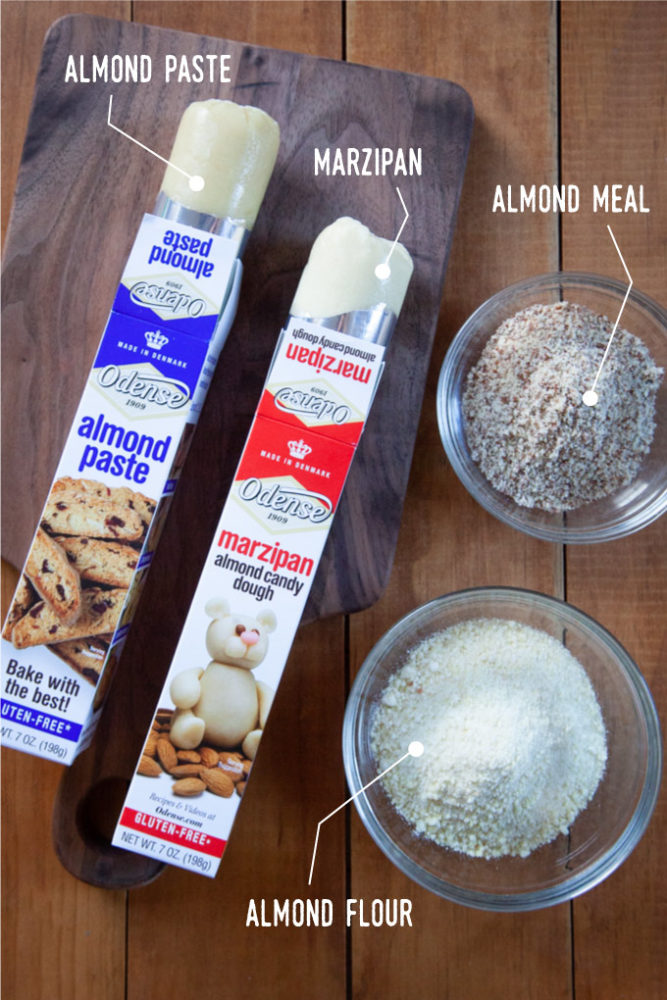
120 464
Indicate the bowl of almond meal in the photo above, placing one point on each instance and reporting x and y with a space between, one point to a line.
552 407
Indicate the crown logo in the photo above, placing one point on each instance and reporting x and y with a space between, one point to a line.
299 449
155 339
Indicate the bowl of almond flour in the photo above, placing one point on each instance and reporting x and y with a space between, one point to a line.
541 749
514 418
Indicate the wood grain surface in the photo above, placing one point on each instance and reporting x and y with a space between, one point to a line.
621 139
571 90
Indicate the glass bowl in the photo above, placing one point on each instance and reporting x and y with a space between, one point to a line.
601 837
626 510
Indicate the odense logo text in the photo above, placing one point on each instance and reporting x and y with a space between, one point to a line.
154 389
290 501
166 300
292 400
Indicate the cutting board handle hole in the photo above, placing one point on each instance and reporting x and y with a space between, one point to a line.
99 809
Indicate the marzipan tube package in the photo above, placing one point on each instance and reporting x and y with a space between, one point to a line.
99 527
194 767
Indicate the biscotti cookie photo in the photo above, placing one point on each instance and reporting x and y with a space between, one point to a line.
76 584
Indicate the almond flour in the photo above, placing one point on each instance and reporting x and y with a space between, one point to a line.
526 425
514 739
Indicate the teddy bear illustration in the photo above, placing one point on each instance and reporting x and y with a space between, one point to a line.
224 704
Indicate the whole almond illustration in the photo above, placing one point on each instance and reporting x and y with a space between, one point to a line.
188 756
149 767
217 782
186 771
209 756
188 786
151 744
166 752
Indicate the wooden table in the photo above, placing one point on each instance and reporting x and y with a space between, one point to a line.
570 93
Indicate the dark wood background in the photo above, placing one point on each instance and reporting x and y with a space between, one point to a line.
573 91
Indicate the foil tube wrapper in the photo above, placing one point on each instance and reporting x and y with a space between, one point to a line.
375 326
232 229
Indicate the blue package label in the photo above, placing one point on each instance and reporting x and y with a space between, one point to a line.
141 366
176 276
43 722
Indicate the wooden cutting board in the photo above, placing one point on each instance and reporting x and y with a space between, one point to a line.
81 191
